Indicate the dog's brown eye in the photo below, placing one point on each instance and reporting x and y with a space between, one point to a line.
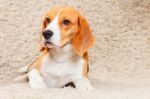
66 22
47 20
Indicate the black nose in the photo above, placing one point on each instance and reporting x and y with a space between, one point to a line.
47 34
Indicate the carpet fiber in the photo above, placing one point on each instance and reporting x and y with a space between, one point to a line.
120 59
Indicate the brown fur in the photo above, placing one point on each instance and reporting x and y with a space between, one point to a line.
78 33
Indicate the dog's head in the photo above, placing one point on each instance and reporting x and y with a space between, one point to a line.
65 25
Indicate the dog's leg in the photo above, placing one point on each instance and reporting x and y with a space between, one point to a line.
27 68
22 78
35 79
23 69
83 84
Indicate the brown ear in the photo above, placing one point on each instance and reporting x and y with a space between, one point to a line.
44 24
83 39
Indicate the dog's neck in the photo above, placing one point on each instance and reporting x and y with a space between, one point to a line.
61 55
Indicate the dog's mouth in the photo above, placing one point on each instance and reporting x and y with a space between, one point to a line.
48 44
52 45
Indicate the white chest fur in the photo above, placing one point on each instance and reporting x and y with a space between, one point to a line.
61 66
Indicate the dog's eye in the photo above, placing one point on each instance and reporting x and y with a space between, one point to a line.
66 22
48 20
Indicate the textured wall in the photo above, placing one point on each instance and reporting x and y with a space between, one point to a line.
121 27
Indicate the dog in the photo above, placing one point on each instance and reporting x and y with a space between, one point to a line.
65 40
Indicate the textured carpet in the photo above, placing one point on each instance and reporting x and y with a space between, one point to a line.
120 59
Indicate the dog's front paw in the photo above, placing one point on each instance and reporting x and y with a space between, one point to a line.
22 78
35 79
85 87
23 69
83 84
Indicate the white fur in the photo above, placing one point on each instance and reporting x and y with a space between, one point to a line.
83 84
54 27
21 78
23 69
59 67
35 79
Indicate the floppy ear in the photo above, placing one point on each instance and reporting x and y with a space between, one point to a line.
83 39
44 24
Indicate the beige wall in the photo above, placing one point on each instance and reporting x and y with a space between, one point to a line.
121 27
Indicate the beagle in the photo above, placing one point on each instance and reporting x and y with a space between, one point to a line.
65 40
